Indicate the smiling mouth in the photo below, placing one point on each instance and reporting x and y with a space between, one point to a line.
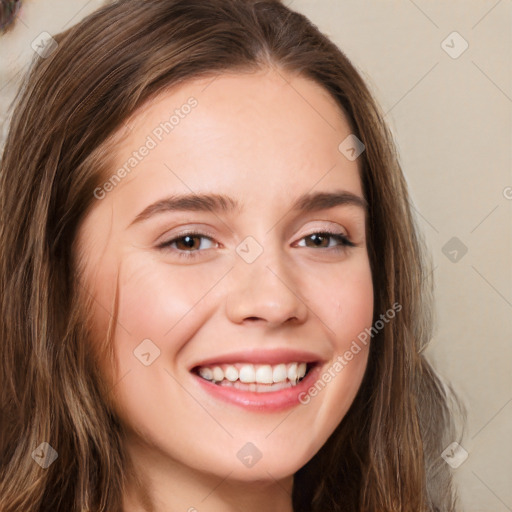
260 378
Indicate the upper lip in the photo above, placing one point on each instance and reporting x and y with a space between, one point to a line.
258 356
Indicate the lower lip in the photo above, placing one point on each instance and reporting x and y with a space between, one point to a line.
270 401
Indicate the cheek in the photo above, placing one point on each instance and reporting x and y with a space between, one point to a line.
152 300
353 319
347 302
153 296
157 302
356 305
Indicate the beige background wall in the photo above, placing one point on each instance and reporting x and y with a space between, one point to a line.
452 119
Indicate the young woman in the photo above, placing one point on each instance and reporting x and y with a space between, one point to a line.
213 294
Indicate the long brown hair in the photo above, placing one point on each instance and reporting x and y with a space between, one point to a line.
384 455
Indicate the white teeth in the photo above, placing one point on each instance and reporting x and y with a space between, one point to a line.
264 374
279 373
252 375
258 388
231 373
218 374
247 373
292 372
206 373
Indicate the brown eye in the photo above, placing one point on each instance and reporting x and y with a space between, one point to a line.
322 239
187 244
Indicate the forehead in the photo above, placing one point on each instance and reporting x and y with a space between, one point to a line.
259 136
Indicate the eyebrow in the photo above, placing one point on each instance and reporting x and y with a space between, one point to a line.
219 203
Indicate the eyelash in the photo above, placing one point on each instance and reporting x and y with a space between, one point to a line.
345 242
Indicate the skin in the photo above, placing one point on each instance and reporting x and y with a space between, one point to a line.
263 138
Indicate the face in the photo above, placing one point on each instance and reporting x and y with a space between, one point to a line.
220 296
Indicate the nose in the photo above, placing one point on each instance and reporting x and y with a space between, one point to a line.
266 291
